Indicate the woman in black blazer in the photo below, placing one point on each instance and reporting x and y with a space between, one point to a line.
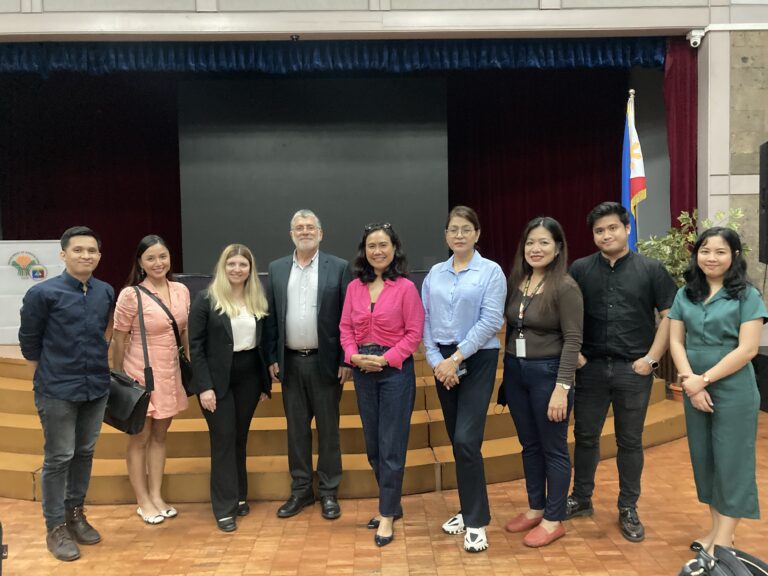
230 373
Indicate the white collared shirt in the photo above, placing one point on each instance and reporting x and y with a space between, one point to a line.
301 309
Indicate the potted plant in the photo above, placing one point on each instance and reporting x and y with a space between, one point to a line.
674 251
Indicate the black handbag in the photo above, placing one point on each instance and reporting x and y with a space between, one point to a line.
725 562
185 366
128 400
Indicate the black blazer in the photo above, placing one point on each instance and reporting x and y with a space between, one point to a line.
333 275
210 348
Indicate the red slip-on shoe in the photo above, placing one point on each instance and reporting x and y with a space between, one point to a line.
539 536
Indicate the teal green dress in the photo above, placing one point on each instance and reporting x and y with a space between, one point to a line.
722 444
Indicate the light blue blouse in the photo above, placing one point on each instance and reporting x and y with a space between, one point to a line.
465 307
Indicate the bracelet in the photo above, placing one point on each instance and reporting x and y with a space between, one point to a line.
455 360
706 378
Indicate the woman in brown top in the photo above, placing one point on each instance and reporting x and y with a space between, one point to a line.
544 315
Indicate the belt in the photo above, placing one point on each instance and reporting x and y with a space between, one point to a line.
304 352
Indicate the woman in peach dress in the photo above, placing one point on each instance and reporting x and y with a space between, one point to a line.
146 450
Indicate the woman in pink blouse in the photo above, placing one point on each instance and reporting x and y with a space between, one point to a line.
146 450
381 327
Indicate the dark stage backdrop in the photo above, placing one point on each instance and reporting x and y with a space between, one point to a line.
101 152
535 143
104 151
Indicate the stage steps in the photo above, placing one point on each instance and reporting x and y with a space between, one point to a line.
429 465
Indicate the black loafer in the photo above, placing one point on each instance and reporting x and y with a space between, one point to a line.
383 540
243 509
373 523
330 507
631 527
227 524
574 508
294 505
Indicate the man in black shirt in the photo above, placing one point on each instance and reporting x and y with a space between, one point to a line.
622 292
63 321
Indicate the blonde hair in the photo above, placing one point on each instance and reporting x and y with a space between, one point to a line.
220 290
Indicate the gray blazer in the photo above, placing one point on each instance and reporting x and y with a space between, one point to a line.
333 275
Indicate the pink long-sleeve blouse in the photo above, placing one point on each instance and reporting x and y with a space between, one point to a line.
397 320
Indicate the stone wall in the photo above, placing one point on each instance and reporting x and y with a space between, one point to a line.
749 129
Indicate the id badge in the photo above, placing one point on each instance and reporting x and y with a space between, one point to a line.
520 347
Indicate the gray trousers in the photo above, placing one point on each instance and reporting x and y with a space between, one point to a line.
306 395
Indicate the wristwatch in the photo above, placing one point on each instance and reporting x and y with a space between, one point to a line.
455 359
654 364
565 386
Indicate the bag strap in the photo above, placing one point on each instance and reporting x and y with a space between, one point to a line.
170 316
149 385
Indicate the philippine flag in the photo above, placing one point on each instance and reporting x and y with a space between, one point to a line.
633 189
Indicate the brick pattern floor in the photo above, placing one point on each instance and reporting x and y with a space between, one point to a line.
309 545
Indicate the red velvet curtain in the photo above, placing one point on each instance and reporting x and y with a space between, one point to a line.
532 143
97 151
680 98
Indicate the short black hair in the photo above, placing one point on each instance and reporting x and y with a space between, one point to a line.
399 265
606 209
735 280
78 231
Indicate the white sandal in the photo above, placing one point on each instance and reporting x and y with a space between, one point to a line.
454 525
150 518
475 540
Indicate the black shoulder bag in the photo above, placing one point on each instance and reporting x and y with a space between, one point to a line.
128 400
184 365
726 562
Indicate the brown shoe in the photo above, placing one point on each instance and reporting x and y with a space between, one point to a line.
61 545
539 536
79 528
521 523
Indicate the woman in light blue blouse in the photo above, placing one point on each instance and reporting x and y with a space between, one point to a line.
464 309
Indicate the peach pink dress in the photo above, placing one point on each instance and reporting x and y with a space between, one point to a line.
168 398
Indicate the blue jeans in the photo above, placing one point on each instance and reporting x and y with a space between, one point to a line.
385 401
600 383
528 384
71 430
465 408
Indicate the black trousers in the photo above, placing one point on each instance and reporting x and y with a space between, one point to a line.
228 431
603 382
306 395
465 408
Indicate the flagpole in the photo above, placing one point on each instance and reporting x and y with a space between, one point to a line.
637 214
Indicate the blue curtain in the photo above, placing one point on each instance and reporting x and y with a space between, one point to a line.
284 58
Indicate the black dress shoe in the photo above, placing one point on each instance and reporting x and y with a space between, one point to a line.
384 540
227 524
243 509
574 508
631 527
373 523
330 507
294 505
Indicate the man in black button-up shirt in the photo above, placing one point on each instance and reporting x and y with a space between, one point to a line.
63 322
622 292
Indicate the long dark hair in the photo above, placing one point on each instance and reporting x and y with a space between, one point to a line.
363 269
735 279
137 274
556 271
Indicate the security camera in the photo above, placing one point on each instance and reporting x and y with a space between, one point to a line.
695 37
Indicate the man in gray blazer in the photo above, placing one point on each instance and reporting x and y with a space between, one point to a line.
306 296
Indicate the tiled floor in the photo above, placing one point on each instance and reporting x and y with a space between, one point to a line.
310 545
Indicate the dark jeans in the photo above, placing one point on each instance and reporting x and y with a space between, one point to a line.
465 408
385 401
228 429
71 430
529 383
308 394
601 383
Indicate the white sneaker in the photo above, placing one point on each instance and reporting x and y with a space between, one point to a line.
454 525
475 540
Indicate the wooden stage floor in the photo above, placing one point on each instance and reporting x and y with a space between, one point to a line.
309 545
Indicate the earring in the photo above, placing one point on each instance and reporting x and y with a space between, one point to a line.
142 273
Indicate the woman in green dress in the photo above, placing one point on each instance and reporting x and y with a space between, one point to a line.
716 321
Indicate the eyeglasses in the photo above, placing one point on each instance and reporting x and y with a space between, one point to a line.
302 228
377 226
455 230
